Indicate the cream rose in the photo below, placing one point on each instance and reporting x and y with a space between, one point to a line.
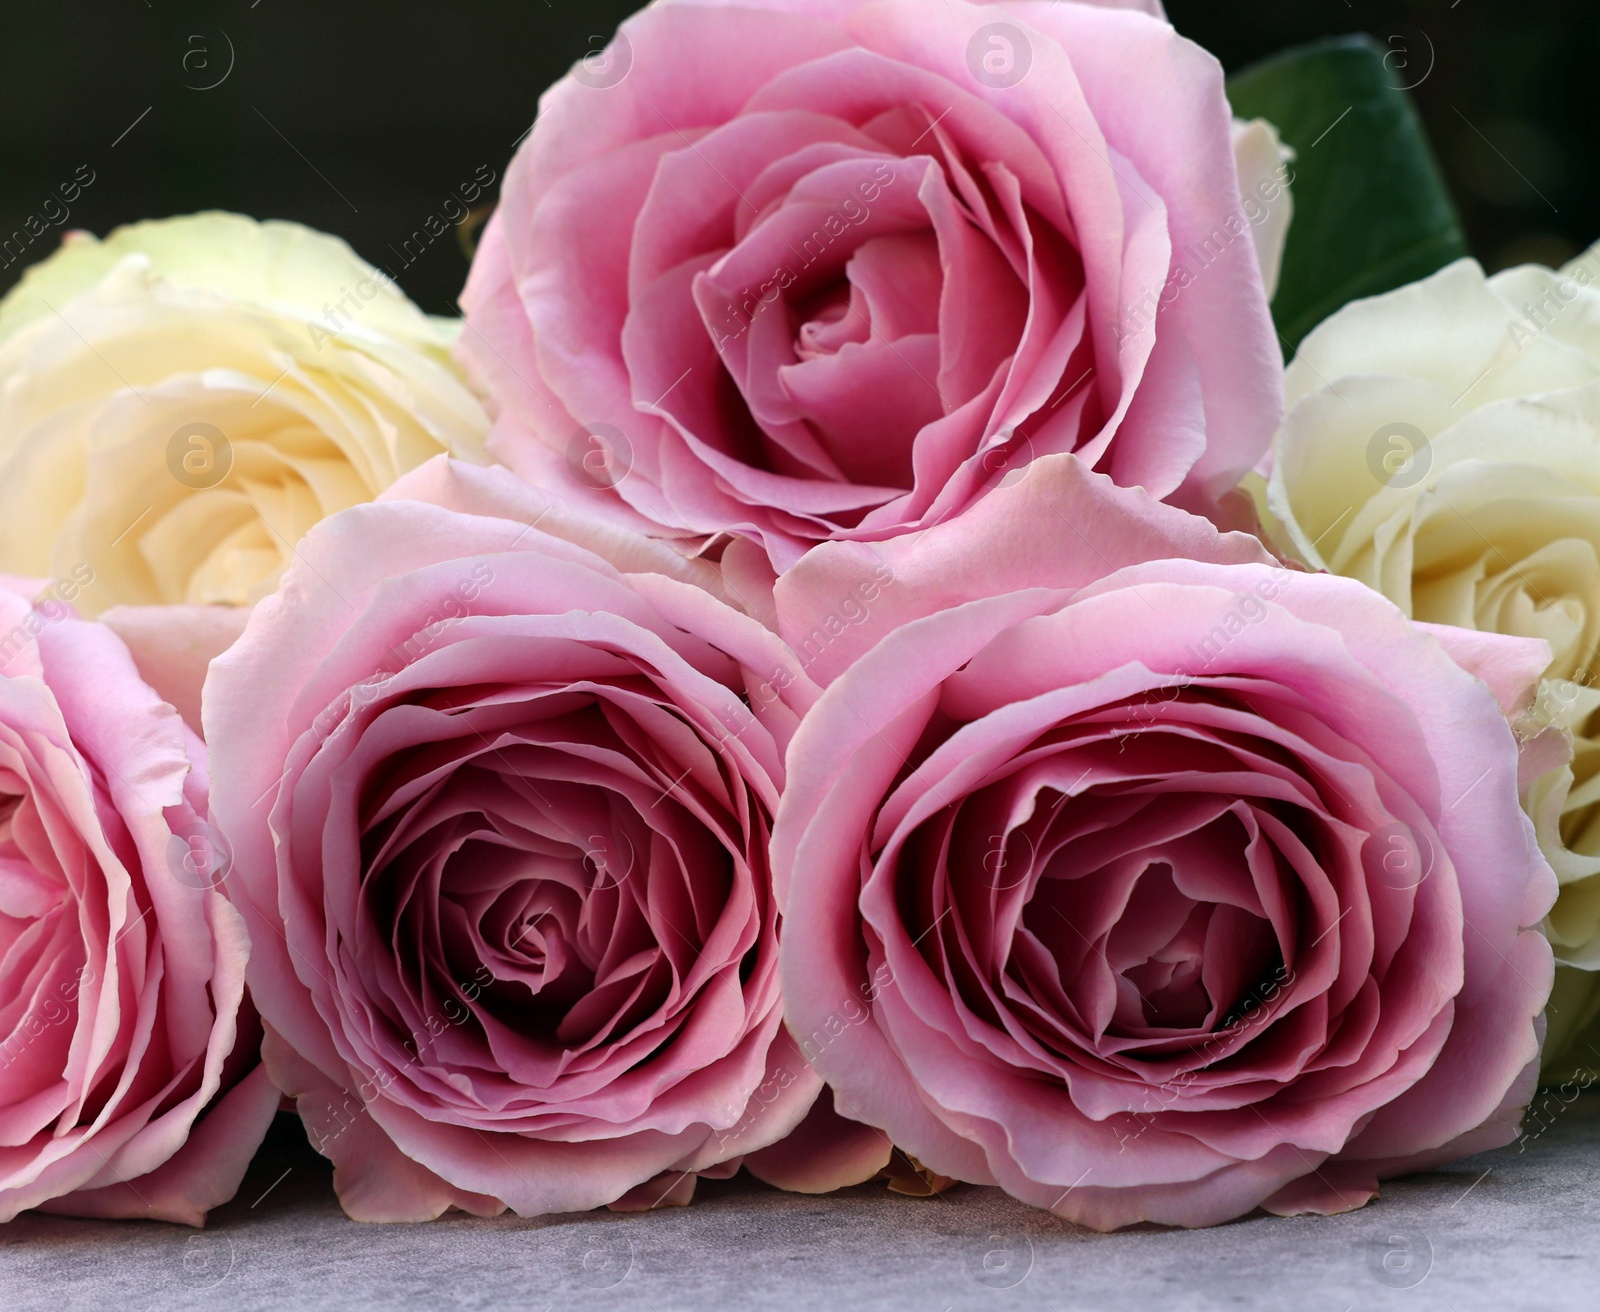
1442 445
181 402
1264 179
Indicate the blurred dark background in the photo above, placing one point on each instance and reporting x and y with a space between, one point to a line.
367 119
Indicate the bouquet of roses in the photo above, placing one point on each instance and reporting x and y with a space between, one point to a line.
854 659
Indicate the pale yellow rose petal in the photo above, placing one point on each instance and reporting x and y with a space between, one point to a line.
181 402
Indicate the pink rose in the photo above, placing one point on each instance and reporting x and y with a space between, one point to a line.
802 270
1167 889
130 1084
499 784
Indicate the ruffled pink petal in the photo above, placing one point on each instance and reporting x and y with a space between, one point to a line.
204 1173
823 1153
1057 526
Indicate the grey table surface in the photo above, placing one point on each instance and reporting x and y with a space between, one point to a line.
1517 1228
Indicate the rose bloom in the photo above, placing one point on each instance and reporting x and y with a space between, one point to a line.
801 270
498 783
1149 883
180 402
1443 446
130 1081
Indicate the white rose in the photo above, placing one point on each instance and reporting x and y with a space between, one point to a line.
181 402
1442 445
1264 180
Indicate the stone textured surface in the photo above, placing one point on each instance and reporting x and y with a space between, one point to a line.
1518 1228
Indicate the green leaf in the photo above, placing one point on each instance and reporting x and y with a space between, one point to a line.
1371 211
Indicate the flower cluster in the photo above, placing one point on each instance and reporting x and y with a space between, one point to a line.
773 689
